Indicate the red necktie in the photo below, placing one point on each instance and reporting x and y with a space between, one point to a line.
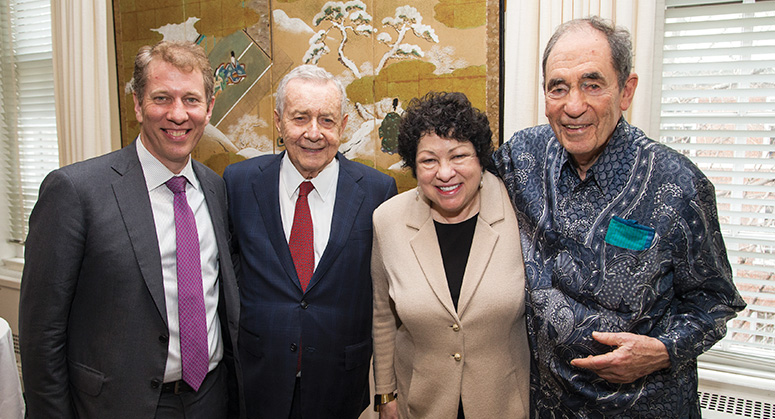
301 242
194 355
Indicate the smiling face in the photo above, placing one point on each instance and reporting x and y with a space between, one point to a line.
311 124
173 113
583 98
449 173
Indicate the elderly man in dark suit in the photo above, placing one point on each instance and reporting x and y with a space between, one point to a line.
302 227
129 303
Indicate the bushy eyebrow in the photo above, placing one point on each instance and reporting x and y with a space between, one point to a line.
595 75
554 82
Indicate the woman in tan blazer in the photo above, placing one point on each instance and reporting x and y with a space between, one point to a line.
449 327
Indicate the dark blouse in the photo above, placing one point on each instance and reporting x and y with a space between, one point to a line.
455 244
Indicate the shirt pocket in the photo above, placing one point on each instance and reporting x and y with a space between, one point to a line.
628 234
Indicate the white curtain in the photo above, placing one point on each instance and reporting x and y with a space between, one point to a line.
85 94
528 26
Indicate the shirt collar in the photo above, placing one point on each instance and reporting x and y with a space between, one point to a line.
617 154
324 182
617 150
156 173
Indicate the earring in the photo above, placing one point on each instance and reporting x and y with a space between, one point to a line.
481 182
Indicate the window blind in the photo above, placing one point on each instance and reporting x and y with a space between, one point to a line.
27 117
718 108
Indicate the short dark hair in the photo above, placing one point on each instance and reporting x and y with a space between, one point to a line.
185 56
448 115
618 41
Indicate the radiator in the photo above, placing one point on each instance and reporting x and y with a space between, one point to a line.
720 406
736 394
18 353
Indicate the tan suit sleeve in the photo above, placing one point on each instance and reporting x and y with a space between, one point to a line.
385 323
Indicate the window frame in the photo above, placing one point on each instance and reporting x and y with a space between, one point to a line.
724 353
28 134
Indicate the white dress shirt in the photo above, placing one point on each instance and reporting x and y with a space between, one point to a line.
321 201
156 174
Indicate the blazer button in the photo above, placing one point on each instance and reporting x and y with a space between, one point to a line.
155 383
163 339
304 304
293 347
457 357
456 327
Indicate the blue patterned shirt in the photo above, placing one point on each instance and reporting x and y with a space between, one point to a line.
634 247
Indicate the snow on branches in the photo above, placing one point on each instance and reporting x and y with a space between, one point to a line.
352 16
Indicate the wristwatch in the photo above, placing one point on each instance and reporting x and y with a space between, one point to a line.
381 399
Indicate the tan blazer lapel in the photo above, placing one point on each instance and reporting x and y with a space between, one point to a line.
425 245
485 238
482 249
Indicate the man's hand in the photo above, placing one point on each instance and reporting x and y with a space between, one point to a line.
635 356
389 410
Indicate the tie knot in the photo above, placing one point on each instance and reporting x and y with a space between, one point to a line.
305 188
176 184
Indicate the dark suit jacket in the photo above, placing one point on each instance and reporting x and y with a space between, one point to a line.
92 319
331 322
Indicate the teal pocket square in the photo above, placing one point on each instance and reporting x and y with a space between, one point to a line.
628 234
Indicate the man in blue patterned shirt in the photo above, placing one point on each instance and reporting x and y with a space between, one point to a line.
628 273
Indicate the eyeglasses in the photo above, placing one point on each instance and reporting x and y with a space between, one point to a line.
456 160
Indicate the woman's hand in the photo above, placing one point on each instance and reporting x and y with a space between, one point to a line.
389 410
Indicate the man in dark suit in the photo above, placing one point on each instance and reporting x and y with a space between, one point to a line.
129 303
302 229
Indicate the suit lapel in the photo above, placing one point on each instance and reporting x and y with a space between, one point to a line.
133 201
482 247
349 198
267 195
425 245
485 238
426 249
214 208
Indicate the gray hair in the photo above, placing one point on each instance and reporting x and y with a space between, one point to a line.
185 56
618 41
313 73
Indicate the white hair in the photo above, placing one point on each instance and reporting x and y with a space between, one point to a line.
313 73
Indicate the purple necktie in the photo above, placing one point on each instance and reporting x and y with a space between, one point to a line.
191 305
301 243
